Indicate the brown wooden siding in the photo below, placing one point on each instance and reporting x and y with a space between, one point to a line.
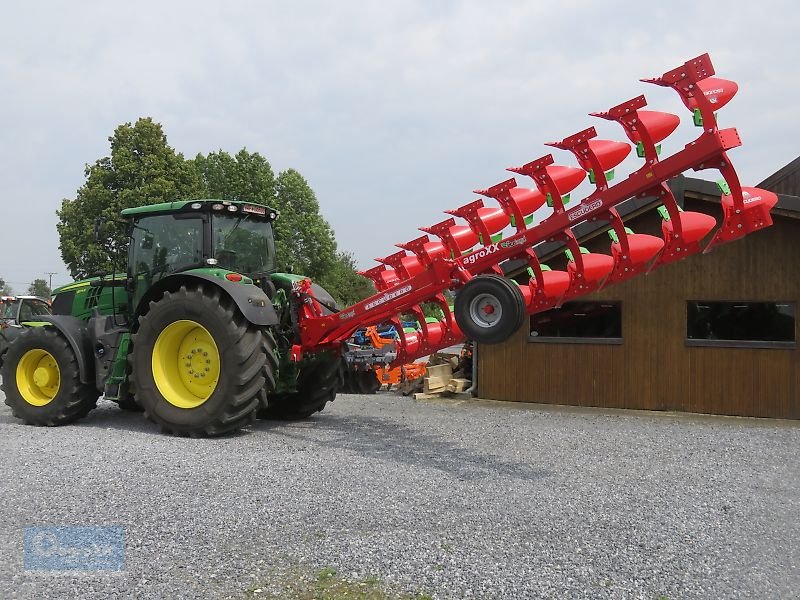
653 368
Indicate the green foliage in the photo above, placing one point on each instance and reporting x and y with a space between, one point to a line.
304 240
247 176
344 283
5 289
142 169
39 287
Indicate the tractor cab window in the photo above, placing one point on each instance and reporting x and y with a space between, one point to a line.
32 308
9 309
25 312
243 244
164 244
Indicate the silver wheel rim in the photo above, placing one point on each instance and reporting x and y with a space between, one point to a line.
485 310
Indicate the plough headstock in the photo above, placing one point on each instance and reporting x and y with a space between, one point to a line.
466 257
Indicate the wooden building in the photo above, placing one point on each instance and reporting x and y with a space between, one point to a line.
715 333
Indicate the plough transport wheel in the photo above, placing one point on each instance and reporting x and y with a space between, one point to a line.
489 309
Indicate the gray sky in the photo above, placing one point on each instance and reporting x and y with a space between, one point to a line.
393 111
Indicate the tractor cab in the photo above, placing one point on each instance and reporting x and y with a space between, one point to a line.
220 238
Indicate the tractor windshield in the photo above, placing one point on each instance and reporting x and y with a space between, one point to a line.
243 243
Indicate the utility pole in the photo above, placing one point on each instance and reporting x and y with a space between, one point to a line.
50 284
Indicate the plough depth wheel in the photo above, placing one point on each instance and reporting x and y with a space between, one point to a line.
489 309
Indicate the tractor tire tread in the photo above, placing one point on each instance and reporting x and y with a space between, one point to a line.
250 365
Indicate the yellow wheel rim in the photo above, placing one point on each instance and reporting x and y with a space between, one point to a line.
38 377
186 364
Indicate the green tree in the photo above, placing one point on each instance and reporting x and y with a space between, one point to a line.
247 176
39 287
142 169
344 283
304 239
305 242
5 289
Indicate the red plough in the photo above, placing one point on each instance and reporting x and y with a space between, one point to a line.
465 257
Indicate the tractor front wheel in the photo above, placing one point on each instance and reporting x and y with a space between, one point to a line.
198 367
41 379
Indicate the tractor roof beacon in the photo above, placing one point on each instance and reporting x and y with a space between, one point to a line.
202 334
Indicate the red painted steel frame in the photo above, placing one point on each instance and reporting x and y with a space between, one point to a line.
441 273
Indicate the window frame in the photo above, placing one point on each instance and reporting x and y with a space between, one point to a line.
590 340
724 343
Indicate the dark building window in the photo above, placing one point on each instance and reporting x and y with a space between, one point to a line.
579 322
747 324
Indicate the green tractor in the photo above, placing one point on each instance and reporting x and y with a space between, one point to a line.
197 333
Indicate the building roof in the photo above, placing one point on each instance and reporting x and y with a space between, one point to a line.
785 180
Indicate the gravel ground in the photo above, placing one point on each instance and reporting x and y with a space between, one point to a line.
453 499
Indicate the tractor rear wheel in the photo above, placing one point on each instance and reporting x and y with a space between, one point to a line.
41 379
318 383
198 367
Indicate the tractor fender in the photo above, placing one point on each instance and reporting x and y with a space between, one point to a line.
76 331
320 293
253 303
